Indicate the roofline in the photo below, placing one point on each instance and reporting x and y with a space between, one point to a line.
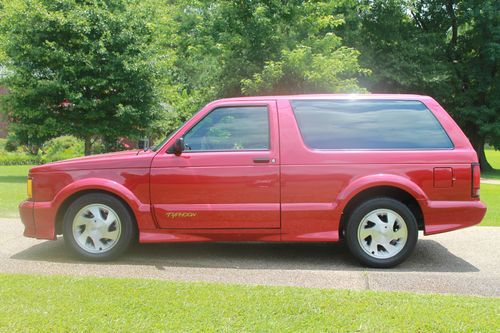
328 96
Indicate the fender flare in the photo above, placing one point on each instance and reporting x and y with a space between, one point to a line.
106 185
367 182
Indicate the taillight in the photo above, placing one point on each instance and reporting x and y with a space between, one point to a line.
476 179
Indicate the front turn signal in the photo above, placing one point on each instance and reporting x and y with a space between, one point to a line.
30 188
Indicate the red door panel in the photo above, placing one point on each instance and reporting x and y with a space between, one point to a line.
218 189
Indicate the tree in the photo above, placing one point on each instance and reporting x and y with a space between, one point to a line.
233 48
83 68
449 50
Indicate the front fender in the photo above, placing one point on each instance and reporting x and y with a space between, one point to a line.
141 211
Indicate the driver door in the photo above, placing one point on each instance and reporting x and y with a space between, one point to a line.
227 176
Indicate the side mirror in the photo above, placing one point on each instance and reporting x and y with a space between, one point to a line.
143 144
178 147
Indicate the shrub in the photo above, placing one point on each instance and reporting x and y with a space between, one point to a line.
18 159
11 144
61 148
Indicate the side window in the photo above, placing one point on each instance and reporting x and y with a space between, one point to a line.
369 124
231 128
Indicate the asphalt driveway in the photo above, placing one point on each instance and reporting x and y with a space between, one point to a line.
460 262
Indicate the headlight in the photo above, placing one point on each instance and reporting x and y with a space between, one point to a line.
30 188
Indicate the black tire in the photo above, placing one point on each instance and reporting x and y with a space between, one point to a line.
128 229
369 207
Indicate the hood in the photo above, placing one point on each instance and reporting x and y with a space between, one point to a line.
119 160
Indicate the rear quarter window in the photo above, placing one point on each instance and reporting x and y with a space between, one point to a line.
369 124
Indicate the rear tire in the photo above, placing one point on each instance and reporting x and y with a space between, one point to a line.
381 232
98 227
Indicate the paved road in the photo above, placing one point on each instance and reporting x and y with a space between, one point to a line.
490 181
461 262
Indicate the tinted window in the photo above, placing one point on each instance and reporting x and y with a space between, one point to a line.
369 124
232 128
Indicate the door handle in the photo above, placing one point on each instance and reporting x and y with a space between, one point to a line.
261 160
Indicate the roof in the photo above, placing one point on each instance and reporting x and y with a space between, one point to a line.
328 96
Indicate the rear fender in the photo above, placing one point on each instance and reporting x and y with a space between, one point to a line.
367 182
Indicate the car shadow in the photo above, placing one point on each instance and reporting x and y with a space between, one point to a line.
429 256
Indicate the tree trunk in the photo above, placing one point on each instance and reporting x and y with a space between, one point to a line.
88 146
478 144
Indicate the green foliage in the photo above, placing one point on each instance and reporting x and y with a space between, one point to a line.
56 149
83 68
449 51
11 143
227 48
64 303
18 158
61 148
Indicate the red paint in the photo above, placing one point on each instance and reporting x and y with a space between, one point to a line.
224 196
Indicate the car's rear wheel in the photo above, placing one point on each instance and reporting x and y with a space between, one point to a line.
381 232
98 226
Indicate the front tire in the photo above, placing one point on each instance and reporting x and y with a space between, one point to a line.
98 227
381 232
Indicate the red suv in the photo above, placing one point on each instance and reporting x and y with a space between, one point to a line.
370 169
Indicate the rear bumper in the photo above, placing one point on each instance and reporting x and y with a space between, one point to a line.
38 219
442 216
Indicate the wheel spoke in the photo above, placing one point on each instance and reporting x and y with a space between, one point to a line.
82 220
375 219
110 219
112 235
98 245
83 237
398 233
96 212
391 219
365 232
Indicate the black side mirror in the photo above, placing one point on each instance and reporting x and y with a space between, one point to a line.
143 144
178 147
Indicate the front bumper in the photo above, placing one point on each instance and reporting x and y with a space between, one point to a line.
442 216
38 219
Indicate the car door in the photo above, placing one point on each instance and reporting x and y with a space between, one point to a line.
228 175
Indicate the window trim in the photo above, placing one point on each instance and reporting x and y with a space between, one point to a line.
266 105
370 149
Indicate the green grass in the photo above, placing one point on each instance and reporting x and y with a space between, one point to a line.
490 195
63 304
12 188
493 157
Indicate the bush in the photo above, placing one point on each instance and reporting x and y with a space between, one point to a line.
61 148
56 149
18 159
11 144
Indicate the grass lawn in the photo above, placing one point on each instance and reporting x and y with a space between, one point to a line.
57 303
490 195
493 157
12 188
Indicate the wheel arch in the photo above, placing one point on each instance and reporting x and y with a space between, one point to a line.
72 198
75 190
400 189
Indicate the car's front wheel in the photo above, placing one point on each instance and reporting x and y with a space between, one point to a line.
382 232
98 226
